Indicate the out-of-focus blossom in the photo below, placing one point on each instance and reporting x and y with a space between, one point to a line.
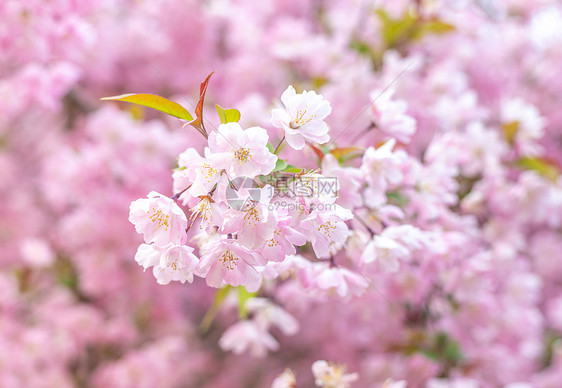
389 115
330 375
285 380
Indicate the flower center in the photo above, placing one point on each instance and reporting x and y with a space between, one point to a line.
274 241
202 209
228 260
210 171
174 265
300 120
159 219
243 155
328 228
252 215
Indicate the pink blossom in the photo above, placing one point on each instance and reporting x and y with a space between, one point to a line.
344 282
195 174
267 314
247 335
240 152
209 213
389 383
326 229
303 117
285 380
37 252
386 252
389 116
171 262
330 375
159 219
283 241
525 124
381 167
229 262
254 223
349 181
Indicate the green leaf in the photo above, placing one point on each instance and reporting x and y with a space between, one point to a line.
292 169
318 82
228 115
361 47
397 199
452 352
243 296
431 354
434 26
409 27
541 166
155 102
443 348
270 147
394 30
510 131
220 296
280 165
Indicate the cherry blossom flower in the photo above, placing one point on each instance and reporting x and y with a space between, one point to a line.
229 262
349 181
389 383
194 174
386 252
171 262
382 168
283 241
248 335
208 212
159 219
37 252
453 383
240 152
303 117
326 229
293 266
344 282
285 380
254 223
523 125
267 314
330 375
389 116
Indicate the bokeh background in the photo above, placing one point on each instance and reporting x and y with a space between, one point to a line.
77 311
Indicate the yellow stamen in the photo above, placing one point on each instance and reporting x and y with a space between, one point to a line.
228 260
242 155
159 218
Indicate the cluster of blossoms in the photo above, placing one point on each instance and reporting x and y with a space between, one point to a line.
437 264
241 224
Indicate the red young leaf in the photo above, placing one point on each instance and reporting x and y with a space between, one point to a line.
198 122
317 151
